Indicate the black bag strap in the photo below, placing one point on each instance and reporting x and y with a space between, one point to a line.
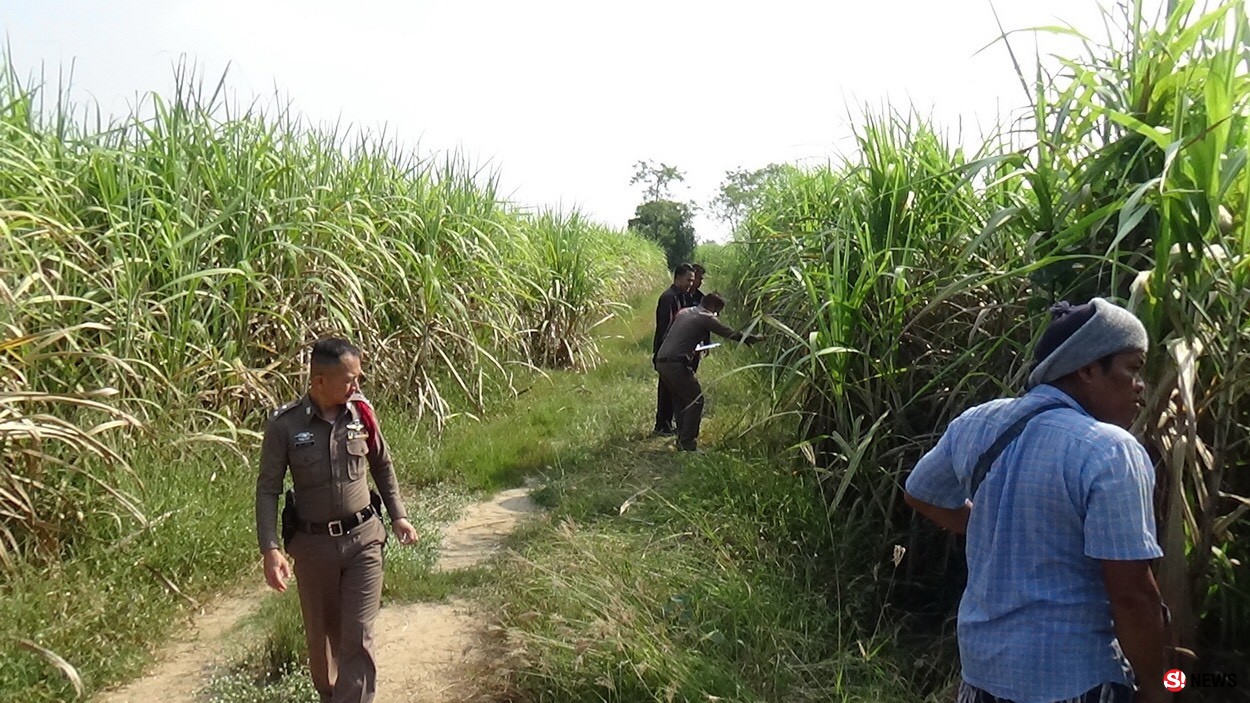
987 459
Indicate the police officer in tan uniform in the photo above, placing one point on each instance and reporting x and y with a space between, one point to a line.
329 439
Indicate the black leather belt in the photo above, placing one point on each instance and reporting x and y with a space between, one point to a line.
337 528
674 359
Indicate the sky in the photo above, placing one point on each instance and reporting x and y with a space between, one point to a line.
564 97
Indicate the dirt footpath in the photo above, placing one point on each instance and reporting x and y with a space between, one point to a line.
430 652
427 652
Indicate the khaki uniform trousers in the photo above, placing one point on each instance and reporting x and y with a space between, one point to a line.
340 591
687 400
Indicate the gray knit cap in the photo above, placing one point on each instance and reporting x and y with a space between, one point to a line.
1109 330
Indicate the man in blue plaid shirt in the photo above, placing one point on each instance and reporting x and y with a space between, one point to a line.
1055 498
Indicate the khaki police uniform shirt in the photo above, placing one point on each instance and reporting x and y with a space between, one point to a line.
327 462
689 329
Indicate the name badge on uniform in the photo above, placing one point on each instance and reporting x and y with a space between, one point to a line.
303 439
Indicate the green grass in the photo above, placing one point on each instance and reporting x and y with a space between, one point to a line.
291 685
715 580
558 414
269 666
105 605
720 578
436 586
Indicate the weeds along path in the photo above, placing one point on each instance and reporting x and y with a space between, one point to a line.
427 652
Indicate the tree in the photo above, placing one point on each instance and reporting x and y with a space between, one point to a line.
655 179
741 191
669 224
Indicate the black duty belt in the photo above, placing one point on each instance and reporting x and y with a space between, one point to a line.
674 359
337 528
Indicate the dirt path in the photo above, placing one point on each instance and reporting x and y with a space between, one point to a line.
179 674
431 652
427 652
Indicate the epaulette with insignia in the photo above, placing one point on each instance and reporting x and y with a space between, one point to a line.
293 404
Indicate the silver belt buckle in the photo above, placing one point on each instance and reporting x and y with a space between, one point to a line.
336 528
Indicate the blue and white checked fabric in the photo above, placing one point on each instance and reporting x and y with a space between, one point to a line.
1035 622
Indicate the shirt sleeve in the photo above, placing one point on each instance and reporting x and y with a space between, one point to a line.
713 324
383 471
934 480
663 318
1119 512
273 465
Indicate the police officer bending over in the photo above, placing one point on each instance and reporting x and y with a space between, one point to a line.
328 439
674 362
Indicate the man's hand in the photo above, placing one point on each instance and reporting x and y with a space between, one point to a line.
1138 618
404 531
755 339
277 570
953 520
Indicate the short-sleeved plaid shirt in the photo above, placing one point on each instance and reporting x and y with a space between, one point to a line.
1035 621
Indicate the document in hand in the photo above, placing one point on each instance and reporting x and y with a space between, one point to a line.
705 347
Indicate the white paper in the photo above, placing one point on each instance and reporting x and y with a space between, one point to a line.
705 347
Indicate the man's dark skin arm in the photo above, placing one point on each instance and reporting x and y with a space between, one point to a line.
953 520
1136 608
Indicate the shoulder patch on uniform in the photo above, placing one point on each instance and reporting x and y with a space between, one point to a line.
285 408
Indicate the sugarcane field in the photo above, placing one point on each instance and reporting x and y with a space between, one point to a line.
555 352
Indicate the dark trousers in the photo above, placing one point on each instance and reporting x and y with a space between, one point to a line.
1102 693
687 396
663 407
340 591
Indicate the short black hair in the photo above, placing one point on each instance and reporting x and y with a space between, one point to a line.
683 269
329 351
713 300
698 268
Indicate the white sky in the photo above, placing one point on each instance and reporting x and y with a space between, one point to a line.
564 97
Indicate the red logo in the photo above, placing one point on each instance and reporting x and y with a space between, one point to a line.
1174 680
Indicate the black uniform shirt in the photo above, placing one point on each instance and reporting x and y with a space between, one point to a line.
666 309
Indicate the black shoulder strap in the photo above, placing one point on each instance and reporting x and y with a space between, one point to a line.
987 459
